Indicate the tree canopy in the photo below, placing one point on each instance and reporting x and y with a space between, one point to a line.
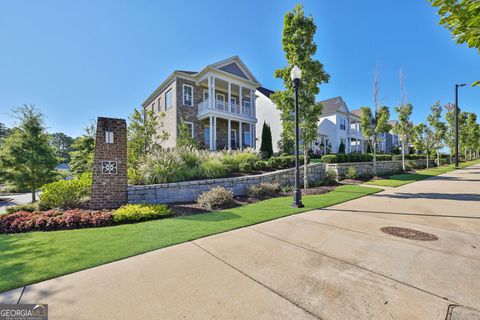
26 157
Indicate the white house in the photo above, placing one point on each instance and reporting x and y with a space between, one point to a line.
336 125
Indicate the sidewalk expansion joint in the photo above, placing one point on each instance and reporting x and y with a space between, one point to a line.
256 281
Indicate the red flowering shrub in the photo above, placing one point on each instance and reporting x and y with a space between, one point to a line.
23 221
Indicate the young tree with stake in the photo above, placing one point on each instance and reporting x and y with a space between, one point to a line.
439 128
299 47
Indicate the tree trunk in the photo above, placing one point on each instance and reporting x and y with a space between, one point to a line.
34 196
305 168
427 160
374 149
403 156
438 158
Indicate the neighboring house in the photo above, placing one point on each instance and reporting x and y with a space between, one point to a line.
217 103
337 124
267 112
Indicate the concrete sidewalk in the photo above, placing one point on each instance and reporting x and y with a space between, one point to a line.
333 263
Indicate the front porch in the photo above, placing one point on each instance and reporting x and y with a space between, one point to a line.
228 134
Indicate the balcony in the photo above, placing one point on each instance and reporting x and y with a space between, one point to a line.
225 109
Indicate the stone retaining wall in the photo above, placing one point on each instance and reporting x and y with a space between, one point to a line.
190 190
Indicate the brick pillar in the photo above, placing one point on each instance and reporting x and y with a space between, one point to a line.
109 187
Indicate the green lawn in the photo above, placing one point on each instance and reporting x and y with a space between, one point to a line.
404 178
33 257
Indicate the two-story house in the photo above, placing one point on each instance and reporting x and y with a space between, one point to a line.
217 103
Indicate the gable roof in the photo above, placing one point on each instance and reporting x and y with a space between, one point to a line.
266 92
234 65
333 105
357 112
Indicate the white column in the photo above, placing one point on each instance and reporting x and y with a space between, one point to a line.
214 133
240 99
229 129
213 94
240 136
254 136
209 90
211 132
251 103
228 103
254 105
251 135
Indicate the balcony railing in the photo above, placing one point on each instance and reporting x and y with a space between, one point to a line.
224 106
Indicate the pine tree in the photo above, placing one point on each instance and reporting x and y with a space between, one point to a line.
266 148
27 159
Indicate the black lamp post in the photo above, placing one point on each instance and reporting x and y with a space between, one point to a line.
456 122
296 75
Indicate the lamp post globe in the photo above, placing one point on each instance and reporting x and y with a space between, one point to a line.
296 75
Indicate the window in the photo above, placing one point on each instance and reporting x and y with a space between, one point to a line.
343 124
108 136
205 95
233 104
207 135
187 95
233 138
246 108
159 104
247 138
190 126
168 99
153 106
220 101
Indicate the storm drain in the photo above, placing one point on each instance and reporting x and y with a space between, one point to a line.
409 234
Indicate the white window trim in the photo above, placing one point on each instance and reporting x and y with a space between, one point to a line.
159 104
205 94
166 100
183 95
223 100
193 128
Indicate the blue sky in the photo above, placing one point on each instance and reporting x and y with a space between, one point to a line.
77 60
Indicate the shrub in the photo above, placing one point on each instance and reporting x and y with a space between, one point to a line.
163 166
351 172
330 177
329 158
141 212
263 190
24 221
246 167
27 207
260 165
283 162
66 194
216 198
384 157
212 168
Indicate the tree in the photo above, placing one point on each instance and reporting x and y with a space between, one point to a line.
184 136
266 148
463 132
27 159
461 17
341 148
423 139
471 133
404 128
372 125
62 145
144 134
299 47
439 128
81 154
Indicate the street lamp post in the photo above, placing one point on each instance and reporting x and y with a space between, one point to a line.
296 75
456 122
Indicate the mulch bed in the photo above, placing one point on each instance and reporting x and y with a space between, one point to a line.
189 208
